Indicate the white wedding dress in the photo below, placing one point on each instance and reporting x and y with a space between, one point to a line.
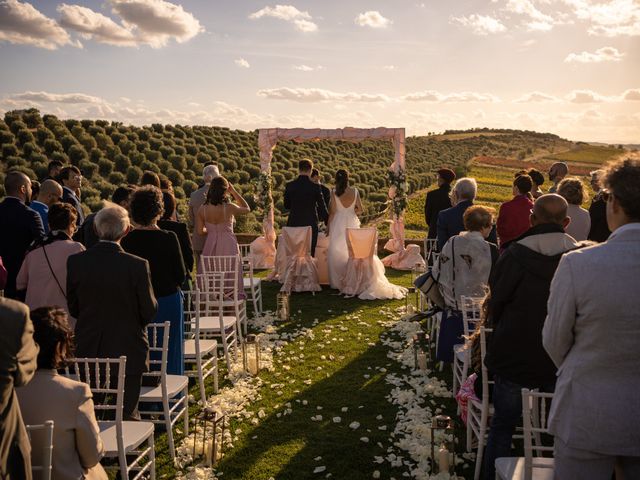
338 256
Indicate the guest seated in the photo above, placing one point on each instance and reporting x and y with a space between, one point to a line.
44 270
519 293
162 250
513 219
77 447
592 333
464 268
572 190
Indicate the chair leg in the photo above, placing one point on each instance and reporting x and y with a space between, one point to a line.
152 458
201 382
167 425
255 302
469 430
215 373
260 299
480 451
186 409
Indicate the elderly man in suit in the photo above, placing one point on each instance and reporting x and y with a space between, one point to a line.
19 227
18 354
305 202
592 333
450 221
196 200
109 292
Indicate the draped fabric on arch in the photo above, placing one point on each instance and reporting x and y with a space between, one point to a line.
263 249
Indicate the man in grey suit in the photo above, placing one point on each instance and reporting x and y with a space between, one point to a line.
109 292
196 200
18 354
592 333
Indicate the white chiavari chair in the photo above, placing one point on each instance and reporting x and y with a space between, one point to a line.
42 467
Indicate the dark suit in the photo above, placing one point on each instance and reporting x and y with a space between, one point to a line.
19 227
18 354
599 231
326 199
109 292
86 233
437 200
303 199
68 196
180 229
450 223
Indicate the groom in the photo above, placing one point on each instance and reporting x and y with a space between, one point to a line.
303 199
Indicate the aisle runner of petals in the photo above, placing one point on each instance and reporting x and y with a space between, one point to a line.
414 393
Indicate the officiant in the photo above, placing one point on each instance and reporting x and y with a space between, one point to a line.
305 202
326 197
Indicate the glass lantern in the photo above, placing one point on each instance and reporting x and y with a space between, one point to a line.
284 309
211 447
443 447
421 352
408 301
251 354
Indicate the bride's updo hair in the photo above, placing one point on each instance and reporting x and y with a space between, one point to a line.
217 194
342 182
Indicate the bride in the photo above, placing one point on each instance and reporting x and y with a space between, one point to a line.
344 207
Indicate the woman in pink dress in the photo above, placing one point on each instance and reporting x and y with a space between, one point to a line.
215 220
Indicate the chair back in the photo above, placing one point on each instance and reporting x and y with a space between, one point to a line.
435 256
485 372
105 377
362 242
45 432
211 293
231 268
471 311
297 241
429 246
245 250
535 407
158 335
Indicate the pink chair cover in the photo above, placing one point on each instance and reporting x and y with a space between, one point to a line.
362 243
322 261
300 274
405 259
261 255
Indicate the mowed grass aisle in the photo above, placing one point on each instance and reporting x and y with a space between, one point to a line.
333 369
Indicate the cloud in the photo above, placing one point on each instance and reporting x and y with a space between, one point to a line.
604 54
157 21
70 98
303 21
480 24
586 96
536 97
389 68
537 21
632 94
434 96
315 95
21 23
608 18
144 22
95 25
373 19
242 63
307 68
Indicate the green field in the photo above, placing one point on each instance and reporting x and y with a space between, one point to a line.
584 153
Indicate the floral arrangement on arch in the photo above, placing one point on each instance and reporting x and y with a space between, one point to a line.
262 196
398 190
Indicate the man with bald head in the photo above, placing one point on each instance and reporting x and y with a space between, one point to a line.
557 172
19 227
50 193
519 292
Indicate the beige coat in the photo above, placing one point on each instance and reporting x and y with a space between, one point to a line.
77 448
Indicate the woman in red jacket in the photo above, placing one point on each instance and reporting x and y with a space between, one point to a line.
513 218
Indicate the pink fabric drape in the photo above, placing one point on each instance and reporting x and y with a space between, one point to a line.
267 140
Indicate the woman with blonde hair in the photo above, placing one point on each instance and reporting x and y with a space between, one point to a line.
572 190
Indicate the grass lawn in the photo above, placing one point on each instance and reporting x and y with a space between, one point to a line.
336 368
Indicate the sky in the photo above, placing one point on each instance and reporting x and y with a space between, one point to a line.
569 67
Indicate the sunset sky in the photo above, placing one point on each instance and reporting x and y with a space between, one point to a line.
570 67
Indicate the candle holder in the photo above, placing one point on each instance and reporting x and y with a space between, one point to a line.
421 352
444 459
283 305
409 308
251 354
212 446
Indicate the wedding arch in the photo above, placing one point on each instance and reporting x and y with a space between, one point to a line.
268 139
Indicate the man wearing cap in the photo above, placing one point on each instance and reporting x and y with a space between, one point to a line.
438 200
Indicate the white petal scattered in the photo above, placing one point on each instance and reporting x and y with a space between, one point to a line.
354 425
319 469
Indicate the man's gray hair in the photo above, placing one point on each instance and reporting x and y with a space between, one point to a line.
210 172
111 222
466 188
